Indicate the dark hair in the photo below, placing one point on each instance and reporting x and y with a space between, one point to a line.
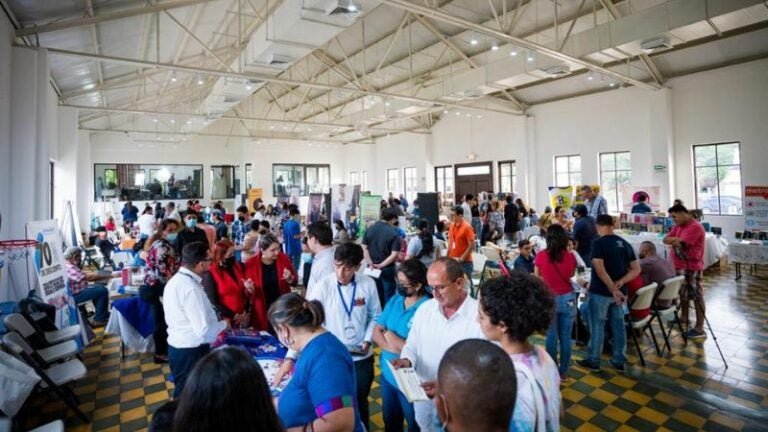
520 301
440 226
293 211
254 225
193 253
162 419
425 234
242 209
642 197
349 254
226 391
678 208
557 243
482 369
267 240
321 232
147 210
158 234
339 224
508 199
190 212
294 310
171 204
604 220
220 249
416 272
468 197
580 209
388 214
452 267
523 243
558 208
459 210
265 224
100 229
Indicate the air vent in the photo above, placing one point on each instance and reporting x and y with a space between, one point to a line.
342 7
654 45
279 59
557 71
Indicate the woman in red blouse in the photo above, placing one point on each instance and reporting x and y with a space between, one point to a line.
226 285
272 275
162 263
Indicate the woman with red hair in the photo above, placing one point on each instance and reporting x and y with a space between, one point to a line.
272 274
226 286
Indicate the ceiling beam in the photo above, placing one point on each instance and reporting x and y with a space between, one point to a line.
79 22
258 77
479 28
217 135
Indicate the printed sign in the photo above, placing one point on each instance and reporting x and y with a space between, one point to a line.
631 195
370 207
561 196
756 210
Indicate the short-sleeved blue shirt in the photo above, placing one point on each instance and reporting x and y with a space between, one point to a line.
397 319
291 228
324 374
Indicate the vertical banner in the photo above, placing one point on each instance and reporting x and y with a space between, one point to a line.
253 195
52 273
756 211
370 206
315 208
428 208
631 195
344 202
561 196
577 199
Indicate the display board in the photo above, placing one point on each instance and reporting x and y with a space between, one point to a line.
561 196
253 195
344 201
756 210
428 208
315 208
631 195
370 207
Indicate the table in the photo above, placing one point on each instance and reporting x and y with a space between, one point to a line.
116 287
747 253
715 247
266 349
132 320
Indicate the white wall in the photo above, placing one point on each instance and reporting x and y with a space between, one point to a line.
398 151
6 39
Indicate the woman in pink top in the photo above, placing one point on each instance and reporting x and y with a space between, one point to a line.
556 266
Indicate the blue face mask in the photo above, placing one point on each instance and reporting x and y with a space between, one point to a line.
171 237
191 223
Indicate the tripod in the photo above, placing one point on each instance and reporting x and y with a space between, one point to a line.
692 292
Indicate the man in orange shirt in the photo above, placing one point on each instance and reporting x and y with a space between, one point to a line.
461 241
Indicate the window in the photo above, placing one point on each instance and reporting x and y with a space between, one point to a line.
568 170
392 180
444 183
507 177
248 177
354 178
147 181
222 181
615 172
304 179
409 175
717 173
238 185
364 181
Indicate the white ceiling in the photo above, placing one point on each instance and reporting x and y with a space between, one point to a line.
411 67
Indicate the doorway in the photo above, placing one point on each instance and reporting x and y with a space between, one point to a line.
472 178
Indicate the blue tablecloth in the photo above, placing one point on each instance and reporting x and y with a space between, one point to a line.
138 313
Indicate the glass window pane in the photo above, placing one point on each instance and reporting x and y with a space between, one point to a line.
623 161
561 164
574 163
706 190
704 155
506 169
730 190
607 161
562 179
575 179
728 154
474 170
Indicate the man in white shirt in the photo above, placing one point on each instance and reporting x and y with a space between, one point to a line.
438 324
467 208
192 321
351 304
320 243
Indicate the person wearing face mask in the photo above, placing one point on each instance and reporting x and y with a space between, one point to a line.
192 321
226 286
162 263
272 274
190 233
239 229
320 395
390 333
81 290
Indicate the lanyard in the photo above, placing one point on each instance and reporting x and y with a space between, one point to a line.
349 309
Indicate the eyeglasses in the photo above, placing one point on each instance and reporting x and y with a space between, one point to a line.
432 288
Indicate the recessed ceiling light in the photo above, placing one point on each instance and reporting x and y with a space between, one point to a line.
271 126
494 47
458 113
530 57
445 111
154 120
174 78
513 53
200 80
611 84
173 121
189 122
591 77
469 115
249 87
473 41
387 103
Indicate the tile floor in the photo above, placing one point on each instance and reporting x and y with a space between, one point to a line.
687 390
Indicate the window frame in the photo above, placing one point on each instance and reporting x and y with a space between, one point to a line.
615 171
410 196
230 192
717 167
512 175
568 171
447 170
148 169
304 187
394 190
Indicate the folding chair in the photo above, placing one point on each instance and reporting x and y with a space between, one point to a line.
642 300
55 377
670 291
492 265
54 426
17 322
52 354
479 262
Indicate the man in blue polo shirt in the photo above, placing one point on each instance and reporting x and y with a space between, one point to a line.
613 265
292 237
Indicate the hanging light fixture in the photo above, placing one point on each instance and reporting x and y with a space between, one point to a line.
200 80
174 78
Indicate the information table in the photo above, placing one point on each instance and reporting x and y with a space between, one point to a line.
268 352
714 247
749 253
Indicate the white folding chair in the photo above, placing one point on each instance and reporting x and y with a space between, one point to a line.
54 426
51 354
641 301
530 232
16 322
669 292
55 377
479 261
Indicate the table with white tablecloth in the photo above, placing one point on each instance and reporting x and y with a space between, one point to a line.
747 253
715 247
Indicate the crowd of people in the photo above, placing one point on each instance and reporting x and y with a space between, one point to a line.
410 296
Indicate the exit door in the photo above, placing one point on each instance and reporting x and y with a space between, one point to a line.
473 178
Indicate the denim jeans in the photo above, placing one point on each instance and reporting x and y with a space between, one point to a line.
364 379
385 284
182 361
560 331
602 308
100 297
468 267
396 408
296 262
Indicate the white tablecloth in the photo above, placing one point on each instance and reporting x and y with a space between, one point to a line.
131 338
116 287
744 253
714 247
